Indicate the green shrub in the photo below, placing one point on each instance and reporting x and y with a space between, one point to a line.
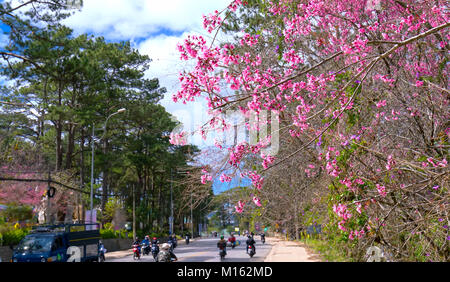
14 236
121 233
107 234
15 212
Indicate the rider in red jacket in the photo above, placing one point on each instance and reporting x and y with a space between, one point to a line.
232 240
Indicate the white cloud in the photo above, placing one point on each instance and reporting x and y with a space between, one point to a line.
159 26
125 19
166 66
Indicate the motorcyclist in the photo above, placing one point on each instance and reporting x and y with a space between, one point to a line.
146 242
174 240
102 251
170 242
155 247
166 255
222 244
232 240
138 243
250 242
263 237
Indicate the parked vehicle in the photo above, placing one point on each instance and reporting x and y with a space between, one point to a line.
60 243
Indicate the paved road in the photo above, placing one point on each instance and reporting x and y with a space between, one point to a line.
205 250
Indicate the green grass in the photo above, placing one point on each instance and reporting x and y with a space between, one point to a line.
327 252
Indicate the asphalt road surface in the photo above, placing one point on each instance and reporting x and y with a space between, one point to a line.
205 250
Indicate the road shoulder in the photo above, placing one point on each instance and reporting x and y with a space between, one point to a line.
289 251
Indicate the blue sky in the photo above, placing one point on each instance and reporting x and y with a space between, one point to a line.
154 27
219 187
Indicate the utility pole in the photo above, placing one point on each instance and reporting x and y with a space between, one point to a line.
134 215
92 176
171 203
192 220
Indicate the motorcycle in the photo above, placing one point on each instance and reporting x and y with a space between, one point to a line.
171 245
155 251
231 244
136 252
102 251
252 251
145 249
222 254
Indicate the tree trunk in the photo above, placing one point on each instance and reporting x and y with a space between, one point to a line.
152 210
58 125
59 153
70 146
105 182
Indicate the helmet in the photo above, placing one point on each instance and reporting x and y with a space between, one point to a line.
221 237
146 236
154 238
165 246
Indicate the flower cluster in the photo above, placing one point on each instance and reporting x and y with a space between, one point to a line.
205 176
387 48
178 138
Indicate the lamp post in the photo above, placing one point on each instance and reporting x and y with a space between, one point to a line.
92 159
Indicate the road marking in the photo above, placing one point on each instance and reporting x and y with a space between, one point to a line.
193 255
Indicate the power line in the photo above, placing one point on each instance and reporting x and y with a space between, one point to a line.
23 171
46 181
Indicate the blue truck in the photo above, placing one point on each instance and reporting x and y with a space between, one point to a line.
60 243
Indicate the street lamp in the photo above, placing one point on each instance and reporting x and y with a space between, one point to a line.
92 160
